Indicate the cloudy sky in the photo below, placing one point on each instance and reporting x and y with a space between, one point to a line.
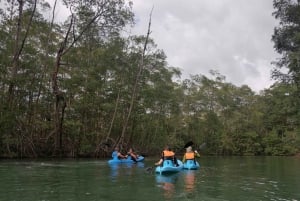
231 36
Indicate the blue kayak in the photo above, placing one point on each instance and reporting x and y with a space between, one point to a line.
168 166
191 165
116 160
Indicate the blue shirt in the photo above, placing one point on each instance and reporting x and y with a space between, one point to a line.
114 154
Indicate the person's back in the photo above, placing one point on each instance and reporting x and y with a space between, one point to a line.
167 154
117 154
114 154
190 154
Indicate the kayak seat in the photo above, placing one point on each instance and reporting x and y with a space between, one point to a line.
168 162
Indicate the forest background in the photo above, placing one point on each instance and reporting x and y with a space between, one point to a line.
80 88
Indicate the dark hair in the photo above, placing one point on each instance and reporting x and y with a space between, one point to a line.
167 148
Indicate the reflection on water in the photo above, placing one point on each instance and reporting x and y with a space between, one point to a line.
171 184
189 180
114 171
121 169
190 183
167 183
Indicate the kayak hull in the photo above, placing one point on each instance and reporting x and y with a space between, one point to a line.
127 160
191 165
168 167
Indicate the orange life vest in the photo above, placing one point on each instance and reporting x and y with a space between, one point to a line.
168 153
189 155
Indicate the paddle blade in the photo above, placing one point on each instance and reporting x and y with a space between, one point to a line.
202 146
150 169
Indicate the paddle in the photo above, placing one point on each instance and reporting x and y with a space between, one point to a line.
150 169
191 143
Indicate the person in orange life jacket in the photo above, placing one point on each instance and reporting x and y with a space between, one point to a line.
118 154
167 154
133 155
190 154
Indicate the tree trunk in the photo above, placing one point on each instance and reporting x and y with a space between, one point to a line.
18 48
59 106
135 87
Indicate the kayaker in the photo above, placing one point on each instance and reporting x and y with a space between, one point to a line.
190 154
133 155
118 154
167 154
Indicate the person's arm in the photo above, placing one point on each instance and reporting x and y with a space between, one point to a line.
183 159
133 155
159 162
121 155
161 159
197 153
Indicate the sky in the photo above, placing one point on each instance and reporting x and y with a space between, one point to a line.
230 36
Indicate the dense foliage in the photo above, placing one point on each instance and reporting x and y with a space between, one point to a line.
286 40
80 88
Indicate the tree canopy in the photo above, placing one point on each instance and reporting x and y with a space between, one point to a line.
79 88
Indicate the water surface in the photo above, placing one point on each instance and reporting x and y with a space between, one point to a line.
219 179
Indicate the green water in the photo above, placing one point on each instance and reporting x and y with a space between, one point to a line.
219 178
